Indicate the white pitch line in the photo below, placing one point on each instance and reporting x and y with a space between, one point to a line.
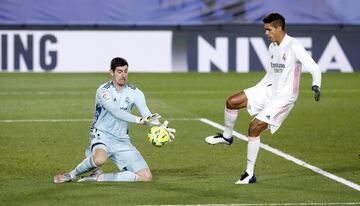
289 157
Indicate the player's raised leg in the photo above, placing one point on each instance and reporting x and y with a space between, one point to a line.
233 104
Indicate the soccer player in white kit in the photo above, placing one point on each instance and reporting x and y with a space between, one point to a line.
271 100
109 132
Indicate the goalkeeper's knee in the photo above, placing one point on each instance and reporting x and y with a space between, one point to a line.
99 157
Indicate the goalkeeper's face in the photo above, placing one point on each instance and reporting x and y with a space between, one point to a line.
120 75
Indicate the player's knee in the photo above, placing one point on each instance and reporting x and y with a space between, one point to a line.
99 160
236 101
147 177
230 103
256 127
144 176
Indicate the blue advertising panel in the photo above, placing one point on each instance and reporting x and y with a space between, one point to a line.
244 48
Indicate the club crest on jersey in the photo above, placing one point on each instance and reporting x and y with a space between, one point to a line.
105 96
284 57
127 100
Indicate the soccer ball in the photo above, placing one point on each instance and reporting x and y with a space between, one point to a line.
158 136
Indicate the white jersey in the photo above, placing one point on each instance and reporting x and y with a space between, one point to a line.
284 69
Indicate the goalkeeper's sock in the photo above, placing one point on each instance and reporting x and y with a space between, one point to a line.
229 121
252 153
85 166
125 176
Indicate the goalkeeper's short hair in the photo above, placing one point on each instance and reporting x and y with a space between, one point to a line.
118 62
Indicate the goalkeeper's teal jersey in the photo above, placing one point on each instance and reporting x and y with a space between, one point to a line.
113 108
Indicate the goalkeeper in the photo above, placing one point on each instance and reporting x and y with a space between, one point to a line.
109 132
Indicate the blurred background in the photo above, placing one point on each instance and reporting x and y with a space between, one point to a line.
171 35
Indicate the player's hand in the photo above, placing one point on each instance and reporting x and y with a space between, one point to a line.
316 89
141 120
152 120
170 130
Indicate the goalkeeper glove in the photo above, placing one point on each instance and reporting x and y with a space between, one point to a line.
171 131
153 119
316 89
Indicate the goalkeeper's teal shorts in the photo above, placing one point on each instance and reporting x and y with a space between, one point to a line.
120 150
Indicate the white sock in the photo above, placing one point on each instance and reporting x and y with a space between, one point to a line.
252 153
229 121
125 176
85 166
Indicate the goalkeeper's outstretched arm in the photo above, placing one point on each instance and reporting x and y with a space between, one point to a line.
104 98
140 102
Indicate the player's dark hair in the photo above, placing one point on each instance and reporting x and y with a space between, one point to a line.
118 62
275 19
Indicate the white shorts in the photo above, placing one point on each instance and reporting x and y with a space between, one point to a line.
266 108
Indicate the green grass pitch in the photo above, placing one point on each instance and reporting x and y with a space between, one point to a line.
187 171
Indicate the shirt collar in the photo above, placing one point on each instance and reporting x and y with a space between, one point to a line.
284 41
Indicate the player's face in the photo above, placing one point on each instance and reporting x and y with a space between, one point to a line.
120 75
272 33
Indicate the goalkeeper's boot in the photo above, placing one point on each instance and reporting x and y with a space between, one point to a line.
93 177
218 139
246 179
61 178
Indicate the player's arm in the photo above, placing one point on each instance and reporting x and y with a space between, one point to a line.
140 103
309 63
105 100
153 119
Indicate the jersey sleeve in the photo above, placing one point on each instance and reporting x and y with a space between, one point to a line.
308 62
141 105
105 100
